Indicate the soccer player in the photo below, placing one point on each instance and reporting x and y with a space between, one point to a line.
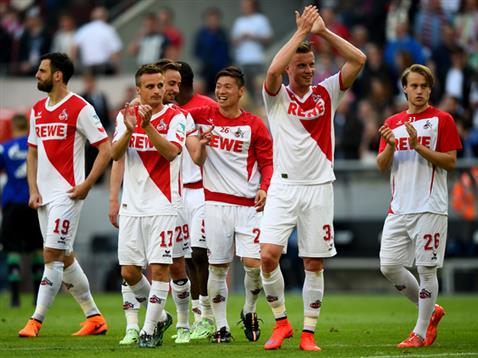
236 176
60 124
301 117
151 137
20 230
193 194
419 145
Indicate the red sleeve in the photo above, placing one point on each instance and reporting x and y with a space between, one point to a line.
448 137
199 114
263 153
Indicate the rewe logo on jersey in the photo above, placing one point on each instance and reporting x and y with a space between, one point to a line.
227 144
403 143
141 143
63 115
51 131
317 111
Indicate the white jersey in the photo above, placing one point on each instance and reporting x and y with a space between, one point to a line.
239 156
417 185
59 133
151 182
303 132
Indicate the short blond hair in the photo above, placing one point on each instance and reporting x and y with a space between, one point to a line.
421 70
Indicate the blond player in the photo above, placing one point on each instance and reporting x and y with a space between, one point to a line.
419 146
301 117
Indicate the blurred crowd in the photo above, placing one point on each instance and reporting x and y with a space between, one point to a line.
443 34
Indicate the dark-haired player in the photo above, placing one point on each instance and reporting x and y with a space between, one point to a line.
60 124
236 177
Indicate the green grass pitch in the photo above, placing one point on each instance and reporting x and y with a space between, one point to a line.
350 325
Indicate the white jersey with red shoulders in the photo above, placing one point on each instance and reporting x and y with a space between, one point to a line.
303 132
151 183
417 185
191 173
59 133
239 156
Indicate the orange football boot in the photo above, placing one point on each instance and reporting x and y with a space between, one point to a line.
281 331
31 329
432 329
307 342
92 326
413 341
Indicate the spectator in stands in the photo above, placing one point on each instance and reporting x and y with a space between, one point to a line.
403 42
6 43
466 25
359 37
172 33
20 231
441 57
370 137
64 38
348 130
251 33
429 22
98 44
397 14
332 23
34 42
375 67
211 47
459 78
149 44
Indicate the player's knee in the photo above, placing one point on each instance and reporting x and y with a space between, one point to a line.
313 264
427 273
130 274
269 260
388 270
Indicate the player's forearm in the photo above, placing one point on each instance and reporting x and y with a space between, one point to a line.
101 162
117 172
198 154
119 147
266 174
385 159
167 149
282 59
32 167
445 161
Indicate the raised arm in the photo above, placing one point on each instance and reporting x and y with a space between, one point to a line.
354 58
280 61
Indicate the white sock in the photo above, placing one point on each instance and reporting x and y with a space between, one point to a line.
49 287
206 310
181 291
217 289
156 302
427 298
131 307
196 308
77 284
273 284
312 293
252 286
403 280
141 290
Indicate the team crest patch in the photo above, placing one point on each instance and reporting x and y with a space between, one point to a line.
316 305
63 115
218 299
427 125
46 282
155 299
162 126
128 305
425 294
239 133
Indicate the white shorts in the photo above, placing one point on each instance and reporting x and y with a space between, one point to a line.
191 219
310 208
146 240
59 222
414 237
230 227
